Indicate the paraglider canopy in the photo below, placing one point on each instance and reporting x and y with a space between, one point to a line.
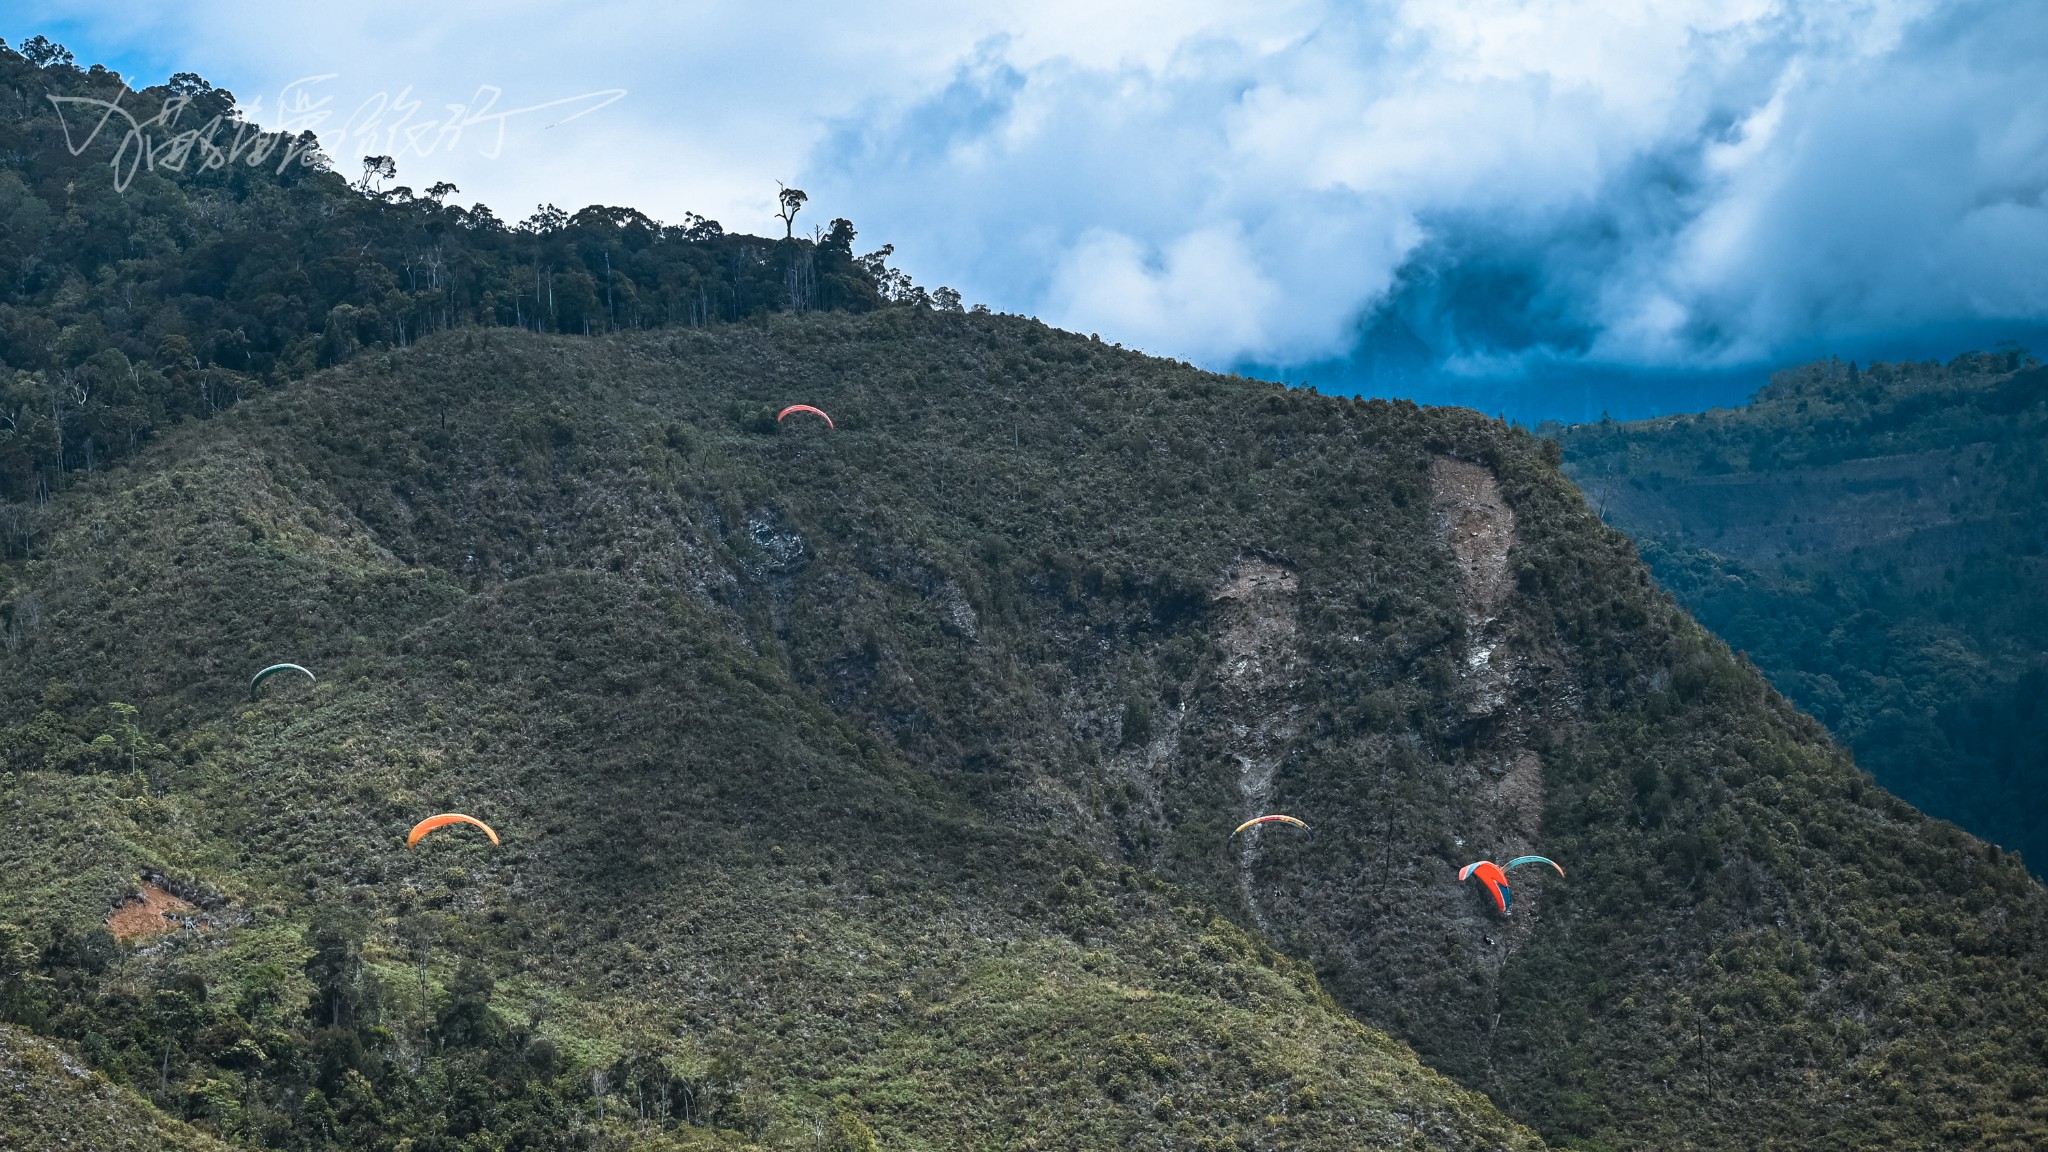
273 670
1273 819
806 408
1518 861
1496 881
420 829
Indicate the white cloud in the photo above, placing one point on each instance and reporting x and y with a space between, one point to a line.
1652 182
724 98
1639 183
1208 283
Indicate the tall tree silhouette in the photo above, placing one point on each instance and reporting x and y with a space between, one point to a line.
792 200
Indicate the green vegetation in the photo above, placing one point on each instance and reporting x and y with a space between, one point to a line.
166 259
592 603
1874 540
872 787
884 775
50 1100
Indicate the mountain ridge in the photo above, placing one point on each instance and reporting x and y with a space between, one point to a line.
260 548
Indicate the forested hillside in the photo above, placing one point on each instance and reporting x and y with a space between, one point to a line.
165 258
1877 541
886 774
873 785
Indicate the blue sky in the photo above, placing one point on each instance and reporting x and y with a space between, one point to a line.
1545 209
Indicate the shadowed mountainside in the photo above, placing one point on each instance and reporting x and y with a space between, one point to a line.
1876 541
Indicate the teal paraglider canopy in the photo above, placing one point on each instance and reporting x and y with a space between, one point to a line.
257 680
1518 861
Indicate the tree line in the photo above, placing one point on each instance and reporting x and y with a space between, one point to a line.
162 260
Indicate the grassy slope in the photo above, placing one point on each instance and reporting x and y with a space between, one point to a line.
855 761
556 614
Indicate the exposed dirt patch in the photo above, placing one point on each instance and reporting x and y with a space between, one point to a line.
1261 665
1480 528
154 913
1518 801
1260 673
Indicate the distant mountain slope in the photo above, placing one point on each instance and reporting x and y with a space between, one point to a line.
1877 541
880 781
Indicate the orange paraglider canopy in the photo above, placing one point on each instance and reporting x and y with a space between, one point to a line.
1496 881
806 408
420 829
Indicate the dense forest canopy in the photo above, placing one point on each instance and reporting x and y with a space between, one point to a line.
161 256
1876 538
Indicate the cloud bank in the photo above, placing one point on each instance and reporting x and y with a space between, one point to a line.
1488 188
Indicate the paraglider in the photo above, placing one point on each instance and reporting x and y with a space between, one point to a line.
273 670
806 408
1273 819
420 829
1496 878
1496 881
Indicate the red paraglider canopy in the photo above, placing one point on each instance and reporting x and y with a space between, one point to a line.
806 408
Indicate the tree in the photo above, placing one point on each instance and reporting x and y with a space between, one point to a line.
792 200
546 219
847 1132
21 984
43 52
376 170
893 285
467 1021
340 994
